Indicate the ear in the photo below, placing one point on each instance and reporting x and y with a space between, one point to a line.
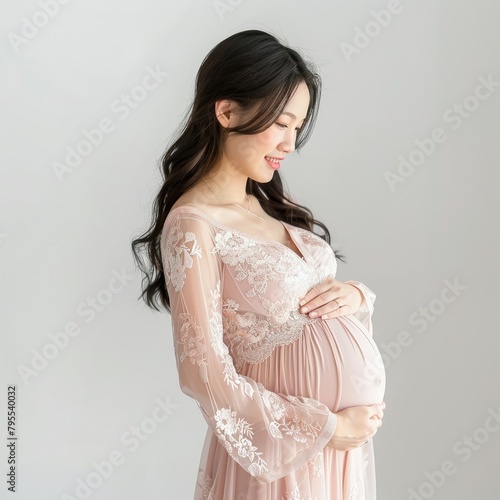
224 110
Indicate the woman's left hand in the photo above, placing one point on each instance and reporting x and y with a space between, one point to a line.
330 299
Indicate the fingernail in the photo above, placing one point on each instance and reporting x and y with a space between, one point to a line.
314 313
305 310
302 302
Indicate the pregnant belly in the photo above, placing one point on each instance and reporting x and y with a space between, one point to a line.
334 361
358 363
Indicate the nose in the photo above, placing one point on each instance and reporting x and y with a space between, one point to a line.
288 144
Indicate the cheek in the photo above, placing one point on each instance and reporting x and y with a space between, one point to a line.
266 138
251 148
244 150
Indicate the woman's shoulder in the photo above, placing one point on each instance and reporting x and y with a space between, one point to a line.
188 209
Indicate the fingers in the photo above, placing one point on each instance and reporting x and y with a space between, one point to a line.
323 304
378 415
312 299
378 408
381 412
329 310
330 299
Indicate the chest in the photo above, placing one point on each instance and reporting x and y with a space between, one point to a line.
264 275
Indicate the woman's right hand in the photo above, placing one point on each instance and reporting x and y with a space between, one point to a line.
355 425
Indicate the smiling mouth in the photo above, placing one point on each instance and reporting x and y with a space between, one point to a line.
274 160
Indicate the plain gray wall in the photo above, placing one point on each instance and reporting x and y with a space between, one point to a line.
418 75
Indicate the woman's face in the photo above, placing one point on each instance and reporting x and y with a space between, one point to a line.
246 154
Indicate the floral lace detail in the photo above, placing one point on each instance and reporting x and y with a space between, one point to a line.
193 348
254 337
234 248
180 255
316 466
191 343
231 376
259 264
235 434
295 421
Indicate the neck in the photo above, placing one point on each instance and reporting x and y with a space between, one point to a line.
227 189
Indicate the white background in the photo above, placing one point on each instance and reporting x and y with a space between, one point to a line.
64 237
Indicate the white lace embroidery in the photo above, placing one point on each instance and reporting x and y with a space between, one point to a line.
254 337
235 433
295 421
179 256
216 338
191 343
316 466
193 347
233 248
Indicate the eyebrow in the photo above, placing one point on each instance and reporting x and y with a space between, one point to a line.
290 114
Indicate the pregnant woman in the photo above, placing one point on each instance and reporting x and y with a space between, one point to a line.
278 354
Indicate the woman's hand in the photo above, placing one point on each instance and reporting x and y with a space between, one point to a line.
330 299
355 425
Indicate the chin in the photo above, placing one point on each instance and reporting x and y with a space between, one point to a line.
262 179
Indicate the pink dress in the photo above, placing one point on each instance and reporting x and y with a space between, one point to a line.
267 378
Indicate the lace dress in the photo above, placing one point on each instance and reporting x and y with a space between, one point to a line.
267 378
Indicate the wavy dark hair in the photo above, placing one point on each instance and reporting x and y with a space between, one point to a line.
261 74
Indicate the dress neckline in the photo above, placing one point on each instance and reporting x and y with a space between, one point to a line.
288 229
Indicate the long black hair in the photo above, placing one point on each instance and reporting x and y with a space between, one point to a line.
261 74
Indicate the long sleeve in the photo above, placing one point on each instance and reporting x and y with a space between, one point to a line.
266 433
365 312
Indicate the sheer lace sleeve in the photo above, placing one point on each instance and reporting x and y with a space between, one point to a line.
266 433
365 312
